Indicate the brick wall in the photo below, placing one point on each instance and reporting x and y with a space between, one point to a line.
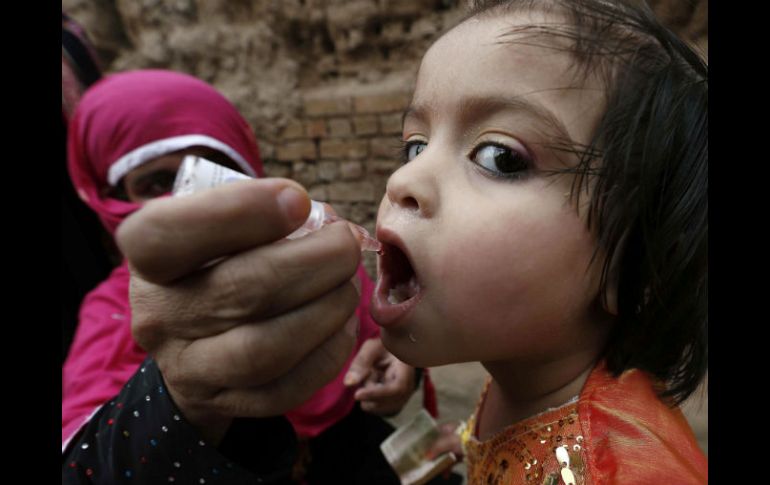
322 82
342 149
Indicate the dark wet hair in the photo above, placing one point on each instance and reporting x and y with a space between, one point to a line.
646 170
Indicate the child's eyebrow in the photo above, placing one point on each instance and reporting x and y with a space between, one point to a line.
475 108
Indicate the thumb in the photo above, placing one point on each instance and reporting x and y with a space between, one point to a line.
448 441
363 362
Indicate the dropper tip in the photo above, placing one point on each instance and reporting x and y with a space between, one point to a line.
368 243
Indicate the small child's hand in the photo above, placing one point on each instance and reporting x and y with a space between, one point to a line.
449 441
386 383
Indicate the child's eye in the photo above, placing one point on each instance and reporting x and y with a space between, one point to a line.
500 160
411 149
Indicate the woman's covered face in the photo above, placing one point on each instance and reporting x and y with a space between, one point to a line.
156 177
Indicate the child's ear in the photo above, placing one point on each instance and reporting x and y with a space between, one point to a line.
610 296
610 300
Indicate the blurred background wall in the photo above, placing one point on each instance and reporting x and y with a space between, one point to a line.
323 83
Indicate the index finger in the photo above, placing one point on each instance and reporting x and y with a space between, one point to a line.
363 363
171 237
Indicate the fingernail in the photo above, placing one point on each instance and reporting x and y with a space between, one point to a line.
356 230
350 378
351 327
293 202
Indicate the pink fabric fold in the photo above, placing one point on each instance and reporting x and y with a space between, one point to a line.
126 111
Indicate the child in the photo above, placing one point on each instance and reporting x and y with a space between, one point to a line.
550 221
127 140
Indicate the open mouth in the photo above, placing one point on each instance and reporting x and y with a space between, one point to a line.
398 285
398 275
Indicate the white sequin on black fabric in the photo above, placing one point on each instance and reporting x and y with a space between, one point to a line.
141 436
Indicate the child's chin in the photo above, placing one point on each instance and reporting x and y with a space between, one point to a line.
406 349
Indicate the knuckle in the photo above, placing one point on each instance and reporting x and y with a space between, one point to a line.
288 395
256 358
334 354
267 266
241 288
178 367
338 307
157 313
342 248
147 326
227 297
261 362
144 331
350 250
349 303
228 402
173 375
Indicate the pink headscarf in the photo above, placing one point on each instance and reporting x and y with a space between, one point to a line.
123 121
130 118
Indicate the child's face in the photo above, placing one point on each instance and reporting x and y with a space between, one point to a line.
499 257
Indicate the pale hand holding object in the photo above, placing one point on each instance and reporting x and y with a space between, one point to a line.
407 448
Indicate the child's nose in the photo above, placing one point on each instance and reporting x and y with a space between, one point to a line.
412 188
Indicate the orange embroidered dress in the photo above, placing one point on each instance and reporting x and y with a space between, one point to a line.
616 432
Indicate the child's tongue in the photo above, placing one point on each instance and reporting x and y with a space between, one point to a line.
401 279
399 288
403 291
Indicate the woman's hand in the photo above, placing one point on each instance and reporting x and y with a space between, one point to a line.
256 332
386 382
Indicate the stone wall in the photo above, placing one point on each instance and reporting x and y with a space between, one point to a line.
322 82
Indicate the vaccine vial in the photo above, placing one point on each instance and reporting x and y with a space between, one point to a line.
197 173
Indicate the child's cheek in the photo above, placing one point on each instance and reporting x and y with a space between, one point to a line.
476 273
